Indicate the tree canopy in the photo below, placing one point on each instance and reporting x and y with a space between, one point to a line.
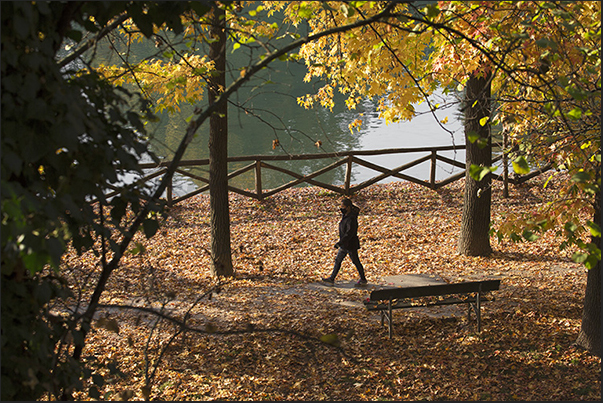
544 60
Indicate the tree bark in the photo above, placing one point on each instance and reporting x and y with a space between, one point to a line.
218 154
589 337
474 239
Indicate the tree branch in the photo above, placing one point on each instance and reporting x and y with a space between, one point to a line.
90 42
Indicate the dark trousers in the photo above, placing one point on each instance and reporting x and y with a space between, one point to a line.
341 254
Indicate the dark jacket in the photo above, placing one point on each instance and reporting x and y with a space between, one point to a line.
348 230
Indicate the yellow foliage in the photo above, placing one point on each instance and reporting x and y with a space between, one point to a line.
170 83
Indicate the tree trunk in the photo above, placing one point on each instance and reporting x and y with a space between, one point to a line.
474 239
218 154
505 159
590 331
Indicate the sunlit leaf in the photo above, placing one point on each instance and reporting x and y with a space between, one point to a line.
520 165
478 173
595 229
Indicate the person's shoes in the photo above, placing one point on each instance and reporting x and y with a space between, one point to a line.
361 283
328 280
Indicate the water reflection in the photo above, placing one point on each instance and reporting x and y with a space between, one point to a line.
266 110
272 114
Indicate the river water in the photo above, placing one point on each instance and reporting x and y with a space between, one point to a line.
266 109
267 112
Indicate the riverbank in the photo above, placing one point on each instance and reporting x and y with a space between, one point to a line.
258 336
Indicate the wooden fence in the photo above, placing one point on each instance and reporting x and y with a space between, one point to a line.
347 158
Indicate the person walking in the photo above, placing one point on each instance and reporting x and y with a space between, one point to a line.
348 243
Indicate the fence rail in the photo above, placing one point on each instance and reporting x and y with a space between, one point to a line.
347 158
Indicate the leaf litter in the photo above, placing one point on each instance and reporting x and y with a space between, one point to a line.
274 332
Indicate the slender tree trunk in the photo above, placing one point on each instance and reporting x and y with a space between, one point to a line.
590 331
505 159
474 239
218 154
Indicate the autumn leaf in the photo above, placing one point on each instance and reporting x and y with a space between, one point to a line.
266 319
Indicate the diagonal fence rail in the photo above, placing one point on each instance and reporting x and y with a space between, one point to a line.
258 163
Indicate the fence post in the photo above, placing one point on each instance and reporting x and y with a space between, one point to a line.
258 179
432 179
348 175
169 191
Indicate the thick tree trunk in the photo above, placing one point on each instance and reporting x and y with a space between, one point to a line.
474 239
590 331
218 154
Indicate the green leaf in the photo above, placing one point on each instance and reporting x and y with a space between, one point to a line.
591 262
521 166
150 227
143 21
577 93
590 189
581 177
75 35
579 257
331 339
570 227
575 114
304 12
432 10
546 43
200 7
472 137
55 250
35 261
515 238
478 172
119 208
138 249
530 236
594 228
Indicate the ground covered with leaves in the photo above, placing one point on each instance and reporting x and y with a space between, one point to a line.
274 332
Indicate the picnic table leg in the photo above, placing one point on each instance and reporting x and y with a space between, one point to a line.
478 310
